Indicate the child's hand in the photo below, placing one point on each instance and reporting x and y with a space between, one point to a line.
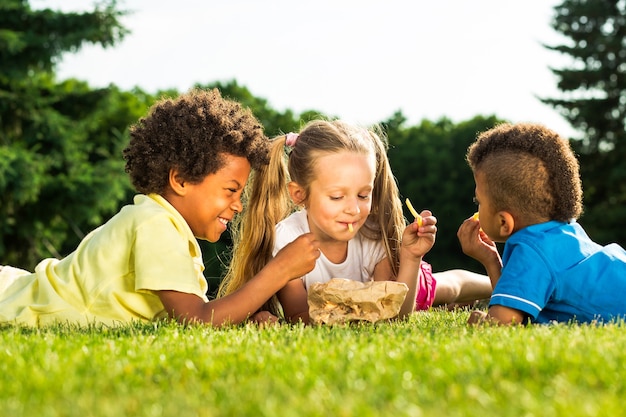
264 318
477 317
474 242
298 257
497 315
418 240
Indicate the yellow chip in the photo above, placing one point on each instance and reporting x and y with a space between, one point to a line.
418 218
350 228
475 216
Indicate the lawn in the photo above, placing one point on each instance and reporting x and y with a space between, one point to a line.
432 364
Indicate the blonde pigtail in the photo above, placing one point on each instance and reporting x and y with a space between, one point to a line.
266 202
386 204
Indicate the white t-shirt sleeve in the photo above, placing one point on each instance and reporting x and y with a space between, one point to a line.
289 229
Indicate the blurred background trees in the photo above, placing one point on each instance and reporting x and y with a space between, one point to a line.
62 172
594 102
60 142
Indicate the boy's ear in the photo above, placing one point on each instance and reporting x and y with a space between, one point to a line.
507 223
177 184
296 192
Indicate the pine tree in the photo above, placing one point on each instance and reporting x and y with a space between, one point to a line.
594 102
58 145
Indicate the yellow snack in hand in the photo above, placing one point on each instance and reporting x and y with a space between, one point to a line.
418 218
475 217
350 228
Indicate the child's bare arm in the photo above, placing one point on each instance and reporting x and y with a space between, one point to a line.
293 299
418 238
497 315
294 260
408 275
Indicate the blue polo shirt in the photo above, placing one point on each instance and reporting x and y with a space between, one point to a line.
553 271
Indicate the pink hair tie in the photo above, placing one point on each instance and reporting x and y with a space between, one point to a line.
290 139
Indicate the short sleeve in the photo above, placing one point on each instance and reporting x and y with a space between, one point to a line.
164 258
526 283
289 230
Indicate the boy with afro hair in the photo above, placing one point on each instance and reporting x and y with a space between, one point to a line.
189 159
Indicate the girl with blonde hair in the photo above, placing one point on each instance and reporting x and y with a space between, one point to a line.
333 180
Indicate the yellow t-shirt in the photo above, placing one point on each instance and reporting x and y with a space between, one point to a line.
111 276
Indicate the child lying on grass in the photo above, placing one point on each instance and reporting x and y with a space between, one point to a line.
529 195
190 159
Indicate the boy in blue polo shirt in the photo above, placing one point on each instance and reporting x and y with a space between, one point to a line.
529 194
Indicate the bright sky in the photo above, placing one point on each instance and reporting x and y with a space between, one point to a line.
361 60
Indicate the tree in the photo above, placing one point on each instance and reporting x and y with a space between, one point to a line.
428 161
274 122
60 143
594 102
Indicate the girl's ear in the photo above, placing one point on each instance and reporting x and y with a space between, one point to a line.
177 184
507 223
296 192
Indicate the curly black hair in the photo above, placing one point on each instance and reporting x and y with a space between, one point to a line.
530 170
191 133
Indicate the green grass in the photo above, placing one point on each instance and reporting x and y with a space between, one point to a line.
430 365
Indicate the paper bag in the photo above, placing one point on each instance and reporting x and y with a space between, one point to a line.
343 300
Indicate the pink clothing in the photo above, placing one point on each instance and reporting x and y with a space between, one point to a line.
425 287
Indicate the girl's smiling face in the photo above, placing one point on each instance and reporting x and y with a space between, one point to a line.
340 196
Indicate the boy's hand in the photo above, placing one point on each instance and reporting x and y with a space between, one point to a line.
298 257
475 243
477 317
498 315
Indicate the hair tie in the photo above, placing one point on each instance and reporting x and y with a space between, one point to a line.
290 139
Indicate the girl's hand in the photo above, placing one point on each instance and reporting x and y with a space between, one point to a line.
418 240
475 243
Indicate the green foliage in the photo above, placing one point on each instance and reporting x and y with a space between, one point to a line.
274 122
33 41
431 364
594 102
61 173
68 175
428 161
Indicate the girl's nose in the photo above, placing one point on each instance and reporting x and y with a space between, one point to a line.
352 206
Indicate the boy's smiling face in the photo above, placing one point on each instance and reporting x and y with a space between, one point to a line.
208 206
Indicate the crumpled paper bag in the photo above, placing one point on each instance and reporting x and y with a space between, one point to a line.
343 300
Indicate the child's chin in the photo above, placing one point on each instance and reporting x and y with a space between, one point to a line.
211 239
